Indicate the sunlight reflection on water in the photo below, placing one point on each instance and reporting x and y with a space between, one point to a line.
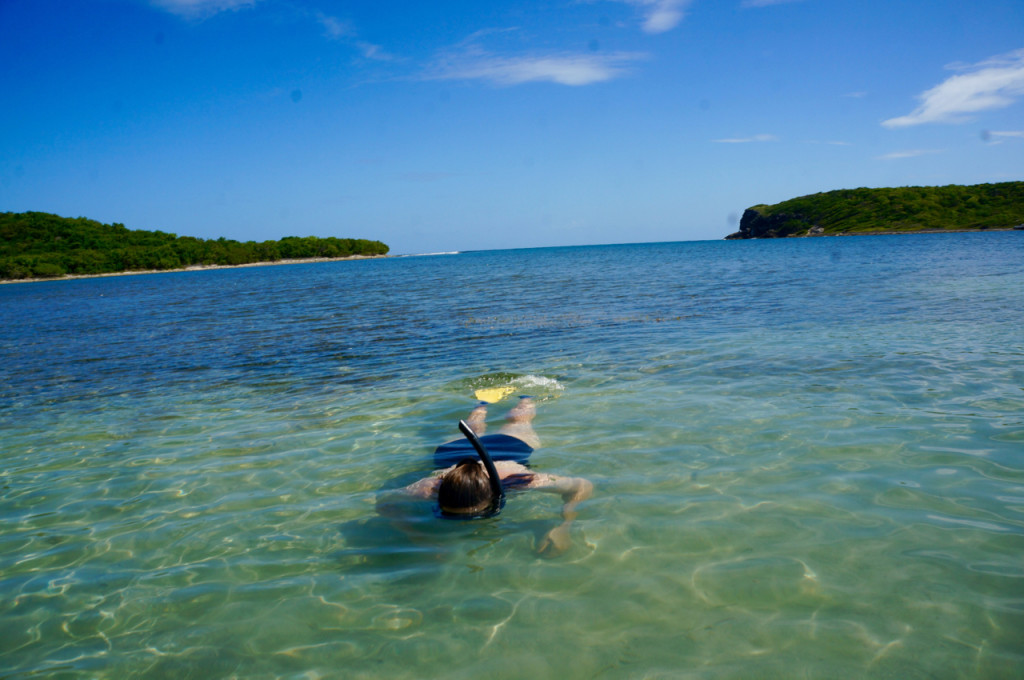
805 453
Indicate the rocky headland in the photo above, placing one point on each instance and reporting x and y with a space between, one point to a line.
979 207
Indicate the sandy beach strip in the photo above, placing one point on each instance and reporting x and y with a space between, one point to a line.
195 268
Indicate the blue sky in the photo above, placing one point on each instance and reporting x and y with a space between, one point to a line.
439 126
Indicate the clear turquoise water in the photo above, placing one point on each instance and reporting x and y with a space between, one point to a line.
807 457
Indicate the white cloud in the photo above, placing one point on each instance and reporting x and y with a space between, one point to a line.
992 84
335 27
993 137
193 8
912 153
564 69
660 15
371 51
338 29
664 15
746 140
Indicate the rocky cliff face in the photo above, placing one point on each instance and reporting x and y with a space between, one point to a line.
755 225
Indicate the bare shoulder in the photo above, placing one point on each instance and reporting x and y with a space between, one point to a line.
427 486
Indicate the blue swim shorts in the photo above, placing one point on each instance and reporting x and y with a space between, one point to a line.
500 446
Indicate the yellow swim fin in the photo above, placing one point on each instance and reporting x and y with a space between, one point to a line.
493 395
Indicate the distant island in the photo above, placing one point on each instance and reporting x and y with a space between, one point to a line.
41 245
889 211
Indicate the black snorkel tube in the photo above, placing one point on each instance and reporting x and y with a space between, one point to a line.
497 490
492 472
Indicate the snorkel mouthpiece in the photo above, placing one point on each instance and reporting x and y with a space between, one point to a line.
497 491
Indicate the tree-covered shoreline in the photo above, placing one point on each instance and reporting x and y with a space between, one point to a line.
884 211
41 245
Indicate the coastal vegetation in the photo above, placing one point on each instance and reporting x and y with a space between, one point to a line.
904 209
41 245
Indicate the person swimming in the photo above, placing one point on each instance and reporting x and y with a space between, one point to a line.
465 489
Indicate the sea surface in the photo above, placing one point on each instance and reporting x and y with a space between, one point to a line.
807 454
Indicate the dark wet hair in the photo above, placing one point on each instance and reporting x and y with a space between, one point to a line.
465 486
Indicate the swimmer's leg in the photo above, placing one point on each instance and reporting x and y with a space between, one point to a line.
519 422
478 419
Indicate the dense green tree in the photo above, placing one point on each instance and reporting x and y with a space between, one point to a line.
849 211
35 244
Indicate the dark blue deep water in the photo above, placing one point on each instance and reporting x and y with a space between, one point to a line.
808 459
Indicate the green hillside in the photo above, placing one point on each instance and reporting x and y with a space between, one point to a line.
35 244
906 209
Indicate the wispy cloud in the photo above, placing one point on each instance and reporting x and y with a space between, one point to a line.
197 8
335 27
991 84
339 29
563 68
660 15
746 140
911 153
993 137
664 15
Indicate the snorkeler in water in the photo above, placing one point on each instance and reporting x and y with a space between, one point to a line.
469 485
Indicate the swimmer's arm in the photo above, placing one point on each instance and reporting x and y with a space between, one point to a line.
426 487
393 502
573 490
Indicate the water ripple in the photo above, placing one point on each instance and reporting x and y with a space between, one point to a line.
805 454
